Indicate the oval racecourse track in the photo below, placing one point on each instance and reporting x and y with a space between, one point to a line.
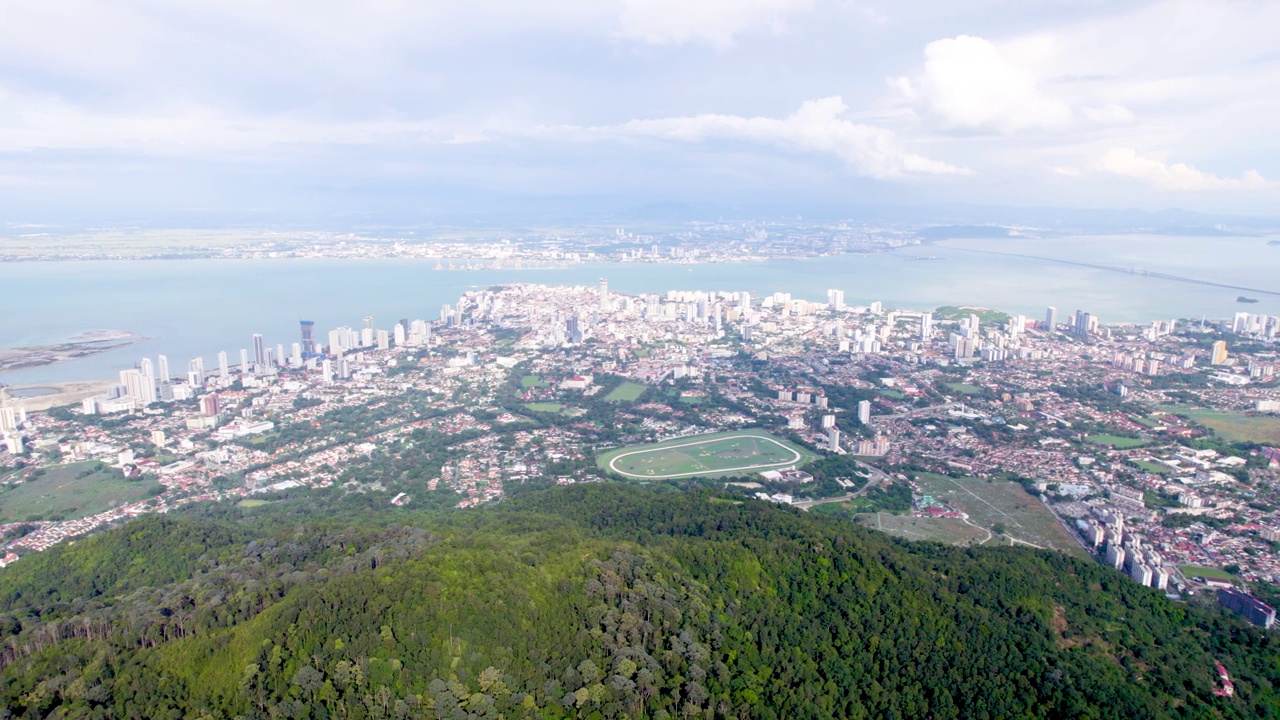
613 462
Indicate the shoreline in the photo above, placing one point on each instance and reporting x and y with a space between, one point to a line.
65 393
82 345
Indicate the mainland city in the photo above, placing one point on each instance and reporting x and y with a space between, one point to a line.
546 363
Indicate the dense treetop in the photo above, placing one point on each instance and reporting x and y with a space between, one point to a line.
597 601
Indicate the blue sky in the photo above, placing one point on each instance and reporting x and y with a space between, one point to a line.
138 106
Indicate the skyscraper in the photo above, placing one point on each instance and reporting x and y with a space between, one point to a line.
244 361
864 411
368 323
1050 318
1219 355
308 337
604 296
164 369
835 300
223 369
259 351
926 326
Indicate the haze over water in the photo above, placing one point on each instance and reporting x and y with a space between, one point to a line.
198 307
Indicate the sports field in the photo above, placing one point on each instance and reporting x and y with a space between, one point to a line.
1116 441
626 392
1023 517
70 491
718 454
545 407
1206 572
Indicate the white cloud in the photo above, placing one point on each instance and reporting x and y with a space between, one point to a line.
816 128
673 22
970 84
1126 162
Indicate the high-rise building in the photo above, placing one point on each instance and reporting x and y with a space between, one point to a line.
1219 353
384 339
833 439
210 405
926 326
244 361
280 356
1253 609
1050 318
195 371
296 359
605 306
864 411
835 300
1083 323
224 369
138 386
163 362
326 371
308 337
259 351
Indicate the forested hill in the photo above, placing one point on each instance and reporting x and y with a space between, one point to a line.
598 601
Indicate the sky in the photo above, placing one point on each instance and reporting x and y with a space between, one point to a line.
133 108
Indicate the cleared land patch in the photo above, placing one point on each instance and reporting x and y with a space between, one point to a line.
1024 518
1237 427
943 530
626 392
964 388
70 491
732 453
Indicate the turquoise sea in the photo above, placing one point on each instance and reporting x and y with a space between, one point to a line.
198 307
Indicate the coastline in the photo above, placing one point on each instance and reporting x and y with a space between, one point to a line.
85 344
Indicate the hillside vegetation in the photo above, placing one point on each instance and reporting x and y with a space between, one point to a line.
597 601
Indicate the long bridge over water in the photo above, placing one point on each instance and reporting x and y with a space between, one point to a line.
1127 271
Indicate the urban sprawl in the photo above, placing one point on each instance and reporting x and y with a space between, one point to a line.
1156 448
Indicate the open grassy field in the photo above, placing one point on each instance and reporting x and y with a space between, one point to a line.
943 530
718 454
545 407
626 392
70 491
1151 467
1206 572
1237 427
1116 441
530 381
986 316
964 388
1024 517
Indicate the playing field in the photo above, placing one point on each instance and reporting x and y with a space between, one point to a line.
68 492
732 453
626 392
545 407
964 388
1236 427
1206 572
1023 517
